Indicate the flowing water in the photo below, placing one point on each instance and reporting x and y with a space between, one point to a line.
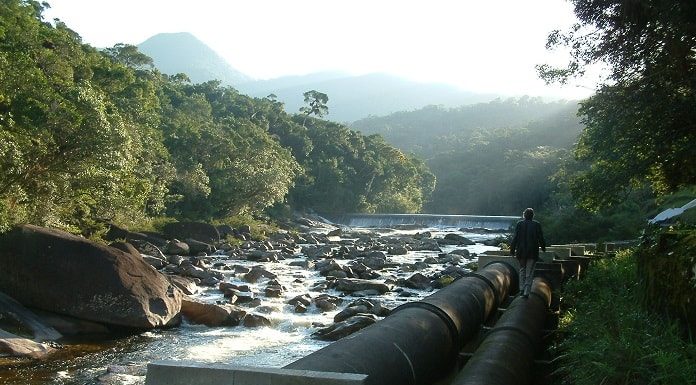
288 339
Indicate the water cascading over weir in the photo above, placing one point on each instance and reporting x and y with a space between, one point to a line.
489 222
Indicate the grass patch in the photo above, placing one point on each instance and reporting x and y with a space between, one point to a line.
612 339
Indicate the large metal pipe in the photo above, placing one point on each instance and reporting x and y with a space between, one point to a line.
506 355
418 343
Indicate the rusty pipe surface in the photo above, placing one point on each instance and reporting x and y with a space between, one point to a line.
506 355
418 343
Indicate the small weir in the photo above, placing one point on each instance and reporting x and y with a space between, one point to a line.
488 222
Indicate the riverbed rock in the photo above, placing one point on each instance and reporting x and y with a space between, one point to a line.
17 346
123 374
177 247
362 305
186 285
304 299
274 289
202 232
461 252
417 281
351 285
374 260
198 247
117 233
345 328
211 314
26 319
457 239
258 272
255 320
71 326
66 274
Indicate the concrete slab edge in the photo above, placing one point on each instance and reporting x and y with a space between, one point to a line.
199 373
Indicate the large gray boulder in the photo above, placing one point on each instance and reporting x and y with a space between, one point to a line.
62 273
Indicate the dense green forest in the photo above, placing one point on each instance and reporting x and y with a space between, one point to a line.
491 158
90 135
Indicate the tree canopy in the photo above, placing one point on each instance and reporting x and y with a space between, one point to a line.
641 123
91 135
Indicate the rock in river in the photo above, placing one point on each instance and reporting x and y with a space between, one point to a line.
210 314
66 274
351 285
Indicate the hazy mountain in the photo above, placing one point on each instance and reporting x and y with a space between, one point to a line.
350 97
182 52
356 97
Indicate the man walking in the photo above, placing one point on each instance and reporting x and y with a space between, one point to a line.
525 247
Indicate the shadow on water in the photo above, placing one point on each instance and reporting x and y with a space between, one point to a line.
72 355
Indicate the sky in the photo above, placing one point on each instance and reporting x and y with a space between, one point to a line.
487 46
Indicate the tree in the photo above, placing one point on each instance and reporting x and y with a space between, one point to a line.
641 123
316 104
129 55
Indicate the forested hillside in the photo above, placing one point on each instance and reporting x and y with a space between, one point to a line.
488 158
90 135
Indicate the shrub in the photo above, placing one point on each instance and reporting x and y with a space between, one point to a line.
612 339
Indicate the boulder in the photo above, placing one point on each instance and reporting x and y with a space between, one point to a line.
202 232
398 250
362 305
177 247
304 299
197 247
11 309
17 346
256 273
70 325
417 281
462 252
353 284
148 248
125 247
255 320
131 373
374 260
116 233
211 314
224 230
334 233
154 261
344 328
66 274
459 239
327 302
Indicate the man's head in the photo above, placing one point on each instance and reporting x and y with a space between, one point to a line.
528 213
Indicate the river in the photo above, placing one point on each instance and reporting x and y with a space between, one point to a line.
286 340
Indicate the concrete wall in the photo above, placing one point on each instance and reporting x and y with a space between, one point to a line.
197 373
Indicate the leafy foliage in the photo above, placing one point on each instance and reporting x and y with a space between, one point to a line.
88 136
640 123
667 272
612 339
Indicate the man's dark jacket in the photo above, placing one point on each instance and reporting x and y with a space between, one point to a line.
527 240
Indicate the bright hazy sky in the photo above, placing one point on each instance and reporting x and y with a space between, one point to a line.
482 46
